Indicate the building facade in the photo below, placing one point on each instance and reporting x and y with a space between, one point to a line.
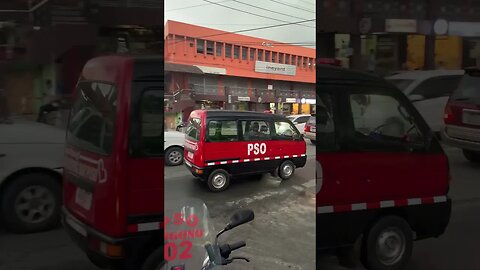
208 68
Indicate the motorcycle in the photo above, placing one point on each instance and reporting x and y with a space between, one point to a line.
191 242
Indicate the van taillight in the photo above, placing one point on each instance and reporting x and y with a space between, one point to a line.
448 117
307 128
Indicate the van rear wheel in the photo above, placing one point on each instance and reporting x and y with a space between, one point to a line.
388 244
218 180
286 169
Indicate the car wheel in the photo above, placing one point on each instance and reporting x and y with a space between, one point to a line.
31 203
472 156
388 244
286 169
155 261
174 156
218 180
313 141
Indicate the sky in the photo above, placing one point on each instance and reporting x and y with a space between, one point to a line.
204 13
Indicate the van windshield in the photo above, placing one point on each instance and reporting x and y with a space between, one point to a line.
92 117
193 129
469 88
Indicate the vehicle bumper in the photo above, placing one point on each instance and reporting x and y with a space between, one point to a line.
195 170
461 137
310 136
90 241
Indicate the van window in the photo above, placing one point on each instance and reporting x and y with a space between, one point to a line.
469 87
256 130
285 131
222 131
193 129
151 117
380 119
302 119
437 87
325 126
92 117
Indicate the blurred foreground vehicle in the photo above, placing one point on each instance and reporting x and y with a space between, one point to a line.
382 175
462 116
174 142
114 161
31 161
429 91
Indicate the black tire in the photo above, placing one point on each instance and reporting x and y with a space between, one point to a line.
177 156
155 261
472 156
43 184
397 228
313 141
218 180
285 173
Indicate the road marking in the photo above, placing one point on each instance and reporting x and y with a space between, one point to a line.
298 188
310 183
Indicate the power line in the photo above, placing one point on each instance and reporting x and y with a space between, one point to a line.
266 9
255 14
292 6
187 7
254 29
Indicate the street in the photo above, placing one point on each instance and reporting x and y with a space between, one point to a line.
281 235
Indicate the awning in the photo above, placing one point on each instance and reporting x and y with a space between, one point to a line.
182 68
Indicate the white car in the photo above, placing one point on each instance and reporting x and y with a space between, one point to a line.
31 163
429 91
174 141
299 121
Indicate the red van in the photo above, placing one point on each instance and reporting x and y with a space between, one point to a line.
114 160
382 175
220 144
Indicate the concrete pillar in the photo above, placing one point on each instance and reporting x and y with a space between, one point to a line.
429 52
356 58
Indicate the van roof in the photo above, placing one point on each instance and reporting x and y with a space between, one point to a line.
229 113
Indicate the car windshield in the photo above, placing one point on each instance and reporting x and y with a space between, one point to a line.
401 84
469 88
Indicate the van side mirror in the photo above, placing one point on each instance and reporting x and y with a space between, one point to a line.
239 218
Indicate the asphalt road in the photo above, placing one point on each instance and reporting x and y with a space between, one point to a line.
280 236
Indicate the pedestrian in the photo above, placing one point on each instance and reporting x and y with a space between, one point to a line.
371 61
48 103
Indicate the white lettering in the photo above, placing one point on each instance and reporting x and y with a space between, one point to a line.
257 148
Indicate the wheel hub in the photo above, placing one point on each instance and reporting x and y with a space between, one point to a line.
34 204
390 246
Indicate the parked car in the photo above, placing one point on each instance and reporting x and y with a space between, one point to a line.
174 141
462 116
310 129
429 91
299 121
31 162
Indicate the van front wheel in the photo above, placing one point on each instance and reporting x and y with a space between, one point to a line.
286 169
388 245
218 180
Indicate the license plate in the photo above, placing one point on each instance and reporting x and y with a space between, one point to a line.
471 117
83 198
190 154
313 129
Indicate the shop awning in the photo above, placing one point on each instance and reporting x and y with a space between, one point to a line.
182 68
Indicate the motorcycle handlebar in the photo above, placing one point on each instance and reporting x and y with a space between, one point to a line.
237 245
226 249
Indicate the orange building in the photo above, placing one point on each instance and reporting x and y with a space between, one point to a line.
208 68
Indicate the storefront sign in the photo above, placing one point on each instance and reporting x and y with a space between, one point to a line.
270 87
400 26
310 101
440 27
213 70
290 100
275 68
243 98
464 29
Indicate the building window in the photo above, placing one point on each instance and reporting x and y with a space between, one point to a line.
267 56
280 58
244 53
305 62
210 45
252 54
236 52
219 49
274 57
200 46
299 60
260 55
287 59
228 50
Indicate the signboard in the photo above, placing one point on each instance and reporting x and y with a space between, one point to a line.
400 26
290 100
243 98
464 29
213 70
275 68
